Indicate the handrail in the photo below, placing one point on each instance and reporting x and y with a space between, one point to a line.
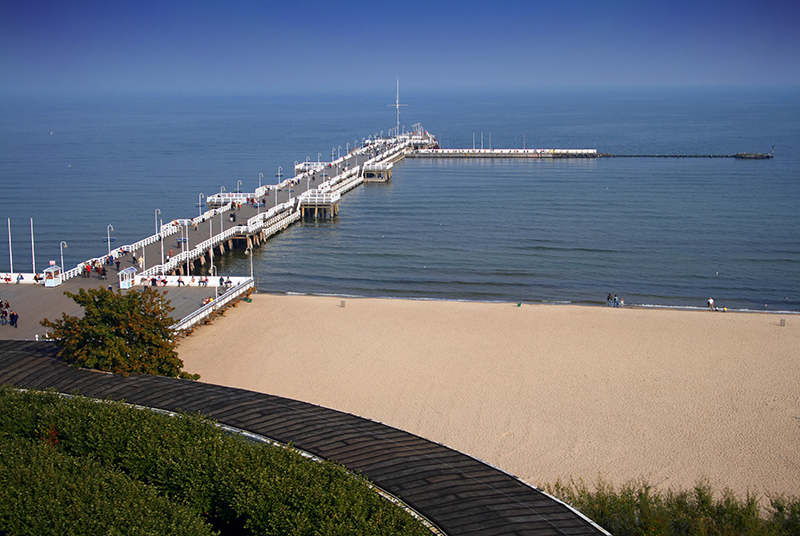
206 310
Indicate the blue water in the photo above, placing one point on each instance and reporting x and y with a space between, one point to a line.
668 232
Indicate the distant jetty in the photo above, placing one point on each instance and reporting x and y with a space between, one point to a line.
563 153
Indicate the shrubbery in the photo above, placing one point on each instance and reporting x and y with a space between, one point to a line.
639 509
73 466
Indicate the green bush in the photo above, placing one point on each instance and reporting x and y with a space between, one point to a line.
637 508
44 491
235 486
119 332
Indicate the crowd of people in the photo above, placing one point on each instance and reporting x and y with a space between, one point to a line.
7 314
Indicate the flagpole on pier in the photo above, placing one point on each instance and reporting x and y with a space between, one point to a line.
10 255
33 250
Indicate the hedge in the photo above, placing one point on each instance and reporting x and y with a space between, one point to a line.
232 485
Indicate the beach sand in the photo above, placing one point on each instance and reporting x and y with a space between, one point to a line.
541 391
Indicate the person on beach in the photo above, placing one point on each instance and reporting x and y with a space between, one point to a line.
710 304
608 300
616 301
180 281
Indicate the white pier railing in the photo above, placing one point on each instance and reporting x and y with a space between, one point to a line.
205 311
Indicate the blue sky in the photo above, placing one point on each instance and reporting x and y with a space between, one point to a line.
249 47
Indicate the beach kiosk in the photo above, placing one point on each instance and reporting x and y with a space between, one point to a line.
52 275
127 278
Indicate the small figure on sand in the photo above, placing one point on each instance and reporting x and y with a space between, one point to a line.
616 301
608 300
710 304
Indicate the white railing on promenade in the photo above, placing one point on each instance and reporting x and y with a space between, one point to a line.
206 310
255 224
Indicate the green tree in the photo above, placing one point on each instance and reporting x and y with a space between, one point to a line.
120 333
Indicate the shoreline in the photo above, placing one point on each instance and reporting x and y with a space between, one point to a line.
524 302
541 391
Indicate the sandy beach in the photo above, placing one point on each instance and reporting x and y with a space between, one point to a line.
541 391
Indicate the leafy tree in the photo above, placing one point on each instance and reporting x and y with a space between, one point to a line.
120 333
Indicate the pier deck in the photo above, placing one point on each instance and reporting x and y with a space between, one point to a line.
460 495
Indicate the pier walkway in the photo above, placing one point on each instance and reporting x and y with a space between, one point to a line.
459 495
187 247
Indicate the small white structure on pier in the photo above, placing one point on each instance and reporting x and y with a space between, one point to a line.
378 172
52 276
127 278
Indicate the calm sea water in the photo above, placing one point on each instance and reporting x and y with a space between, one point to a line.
668 232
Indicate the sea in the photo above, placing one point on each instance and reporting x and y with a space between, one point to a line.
658 232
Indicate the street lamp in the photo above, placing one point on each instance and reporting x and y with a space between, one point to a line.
200 204
319 158
278 174
339 152
333 153
213 270
260 176
249 251
157 212
108 236
161 239
238 186
61 247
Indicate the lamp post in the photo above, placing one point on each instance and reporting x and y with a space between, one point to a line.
333 153
319 158
238 186
278 174
61 247
339 152
200 204
260 176
213 270
161 239
249 251
108 236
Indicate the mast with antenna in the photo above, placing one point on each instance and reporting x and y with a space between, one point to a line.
398 105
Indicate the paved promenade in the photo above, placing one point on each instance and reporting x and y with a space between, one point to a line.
219 224
34 303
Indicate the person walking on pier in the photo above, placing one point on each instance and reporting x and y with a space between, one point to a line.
13 317
4 316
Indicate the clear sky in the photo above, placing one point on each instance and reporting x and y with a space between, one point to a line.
246 47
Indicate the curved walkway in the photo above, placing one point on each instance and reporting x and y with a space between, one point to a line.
459 494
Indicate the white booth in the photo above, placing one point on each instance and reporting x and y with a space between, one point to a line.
127 278
52 276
